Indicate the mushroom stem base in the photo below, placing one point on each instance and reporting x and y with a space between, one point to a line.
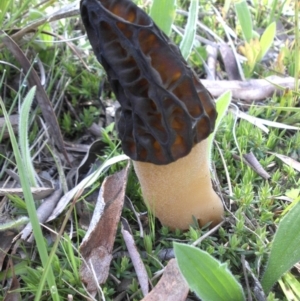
180 190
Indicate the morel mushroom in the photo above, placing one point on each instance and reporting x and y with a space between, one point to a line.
166 113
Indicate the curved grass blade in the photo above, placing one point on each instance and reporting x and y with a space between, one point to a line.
245 20
222 105
23 136
187 42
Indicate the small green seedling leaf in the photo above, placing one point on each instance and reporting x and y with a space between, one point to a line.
285 250
245 20
207 277
163 14
187 42
222 105
267 39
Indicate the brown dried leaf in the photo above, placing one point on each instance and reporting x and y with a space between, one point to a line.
14 120
135 257
97 245
41 96
12 294
229 61
255 165
171 287
6 239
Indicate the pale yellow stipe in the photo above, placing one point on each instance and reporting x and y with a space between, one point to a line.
180 190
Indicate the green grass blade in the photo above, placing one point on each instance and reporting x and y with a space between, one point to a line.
290 286
187 42
23 136
273 10
285 250
206 276
245 20
297 46
222 105
36 228
4 5
163 14
267 39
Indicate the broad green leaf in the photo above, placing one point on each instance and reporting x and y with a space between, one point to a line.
244 16
207 277
23 136
267 39
222 105
163 14
285 250
187 42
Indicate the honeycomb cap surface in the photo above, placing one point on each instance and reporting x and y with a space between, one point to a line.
165 110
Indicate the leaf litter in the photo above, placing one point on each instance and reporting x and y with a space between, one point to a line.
97 245
161 290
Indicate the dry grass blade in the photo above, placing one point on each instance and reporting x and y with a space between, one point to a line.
38 192
41 95
86 182
261 123
43 212
135 257
288 161
212 56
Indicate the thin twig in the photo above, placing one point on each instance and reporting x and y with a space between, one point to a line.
211 231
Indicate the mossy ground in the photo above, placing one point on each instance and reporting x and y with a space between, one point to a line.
75 83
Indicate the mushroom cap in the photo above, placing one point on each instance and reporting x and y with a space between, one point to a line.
165 110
